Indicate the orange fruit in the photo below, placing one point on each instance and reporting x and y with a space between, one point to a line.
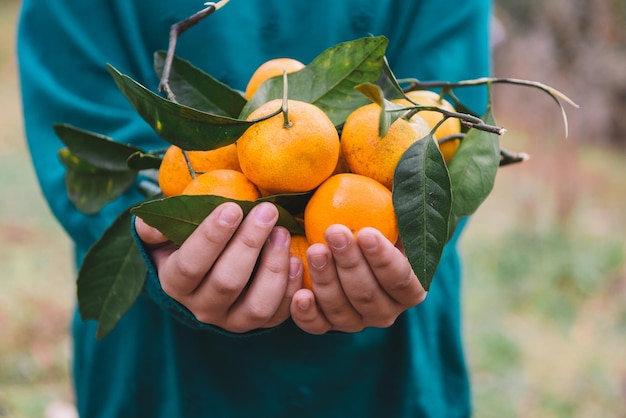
289 159
223 182
370 155
297 248
450 126
269 69
174 172
353 200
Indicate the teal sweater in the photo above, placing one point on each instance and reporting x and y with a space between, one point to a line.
159 361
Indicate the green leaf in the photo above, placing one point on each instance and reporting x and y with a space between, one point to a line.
178 216
329 81
390 111
373 92
197 89
94 149
178 124
389 83
422 200
111 277
88 187
144 161
473 171
292 202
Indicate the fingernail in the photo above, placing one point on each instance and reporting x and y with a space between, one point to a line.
337 241
279 237
229 215
368 242
304 304
318 261
265 214
295 267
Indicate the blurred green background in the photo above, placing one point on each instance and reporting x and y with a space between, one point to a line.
545 256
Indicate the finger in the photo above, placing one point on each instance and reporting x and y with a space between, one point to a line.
263 298
357 279
159 248
294 283
148 234
329 294
185 269
231 272
391 267
307 315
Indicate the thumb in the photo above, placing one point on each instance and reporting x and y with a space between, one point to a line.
148 234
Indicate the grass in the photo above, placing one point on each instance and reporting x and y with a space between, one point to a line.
545 287
545 317
35 266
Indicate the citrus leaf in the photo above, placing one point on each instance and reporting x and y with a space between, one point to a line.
88 187
390 111
144 161
197 89
178 124
373 92
329 81
111 276
473 171
291 202
389 83
97 150
422 200
178 216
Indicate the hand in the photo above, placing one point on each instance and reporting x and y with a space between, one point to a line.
356 283
211 272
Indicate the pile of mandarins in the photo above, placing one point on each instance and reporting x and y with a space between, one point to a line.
299 150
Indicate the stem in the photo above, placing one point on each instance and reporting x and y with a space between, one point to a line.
418 85
175 31
508 157
555 94
286 122
192 172
465 118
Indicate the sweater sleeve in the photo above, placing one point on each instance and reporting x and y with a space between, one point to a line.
63 50
63 47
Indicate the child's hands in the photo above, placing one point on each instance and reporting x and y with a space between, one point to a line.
356 283
210 272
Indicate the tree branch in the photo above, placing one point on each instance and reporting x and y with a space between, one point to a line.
175 31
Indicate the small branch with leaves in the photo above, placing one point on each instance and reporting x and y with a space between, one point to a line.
447 87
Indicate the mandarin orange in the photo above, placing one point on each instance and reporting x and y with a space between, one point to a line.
299 245
353 200
269 69
223 182
451 126
367 153
290 158
174 172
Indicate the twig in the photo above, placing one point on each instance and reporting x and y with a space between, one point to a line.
552 92
465 118
508 157
175 31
